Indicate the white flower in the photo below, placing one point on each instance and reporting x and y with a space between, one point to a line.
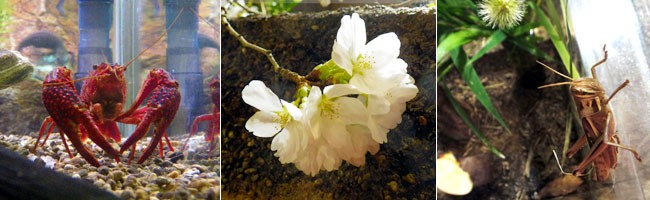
374 67
274 113
338 132
382 121
502 13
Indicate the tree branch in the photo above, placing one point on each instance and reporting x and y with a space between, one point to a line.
284 73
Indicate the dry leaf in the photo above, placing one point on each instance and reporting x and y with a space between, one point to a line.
450 178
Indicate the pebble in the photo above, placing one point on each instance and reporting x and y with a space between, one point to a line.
133 170
158 170
78 161
103 170
195 178
161 181
131 181
201 168
118 176
39 161
141 194
112 184
127 194
181 194
189 173
173 174
83 172
167 163
69 167
213 194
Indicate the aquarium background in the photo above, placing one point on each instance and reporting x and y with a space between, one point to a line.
139 24
130 27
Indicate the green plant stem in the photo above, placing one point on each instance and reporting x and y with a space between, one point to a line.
469 123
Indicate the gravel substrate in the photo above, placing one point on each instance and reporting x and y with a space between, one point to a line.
193 174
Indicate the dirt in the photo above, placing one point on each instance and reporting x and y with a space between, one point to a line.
537 118
404 168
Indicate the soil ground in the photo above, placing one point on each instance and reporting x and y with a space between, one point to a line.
537 118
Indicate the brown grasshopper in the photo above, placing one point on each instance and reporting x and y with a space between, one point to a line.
596 117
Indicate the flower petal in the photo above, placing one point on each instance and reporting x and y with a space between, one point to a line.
338 90
341 58
312 111
334 133
359 33
378 105
351 110
293 110
384 48
261 97
263 124
378 132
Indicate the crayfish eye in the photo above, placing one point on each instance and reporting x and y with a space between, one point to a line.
95 67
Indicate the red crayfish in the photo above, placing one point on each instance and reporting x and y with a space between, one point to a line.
100 105
212 133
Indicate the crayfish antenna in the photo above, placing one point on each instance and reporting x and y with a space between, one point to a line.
74 81
204 20
155 42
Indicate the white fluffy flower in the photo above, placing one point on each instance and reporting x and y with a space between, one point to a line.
374 66
502 13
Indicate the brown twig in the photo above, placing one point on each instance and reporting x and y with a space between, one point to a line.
404 3
246 8
283 72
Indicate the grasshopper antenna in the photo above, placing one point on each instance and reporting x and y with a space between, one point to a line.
565 76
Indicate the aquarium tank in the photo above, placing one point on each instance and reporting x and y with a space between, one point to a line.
114 98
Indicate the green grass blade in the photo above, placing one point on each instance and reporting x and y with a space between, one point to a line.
530 47
495 39
456 39
524 29
555 19
468 73
469 123
443 73
557 41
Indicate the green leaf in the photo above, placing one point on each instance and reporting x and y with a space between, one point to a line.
443 73
555 18
469 123
456 39
524 29
496 39
329 70
468 73
557 41
530 47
